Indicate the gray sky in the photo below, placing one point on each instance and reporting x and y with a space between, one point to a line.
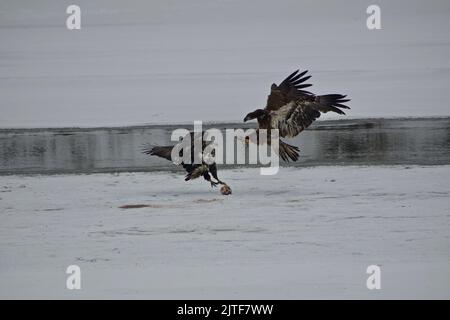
136 62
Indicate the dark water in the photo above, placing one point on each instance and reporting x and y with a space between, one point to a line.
343 142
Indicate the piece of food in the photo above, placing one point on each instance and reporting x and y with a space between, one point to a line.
225 190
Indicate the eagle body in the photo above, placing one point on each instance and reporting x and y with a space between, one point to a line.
290 109
193 170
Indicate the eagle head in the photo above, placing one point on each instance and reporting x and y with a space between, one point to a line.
255 114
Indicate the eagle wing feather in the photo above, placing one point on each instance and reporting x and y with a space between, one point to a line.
297 115
289 89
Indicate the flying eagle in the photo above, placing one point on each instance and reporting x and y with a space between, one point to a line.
291 109
193 170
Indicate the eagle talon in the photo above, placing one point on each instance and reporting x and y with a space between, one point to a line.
213 184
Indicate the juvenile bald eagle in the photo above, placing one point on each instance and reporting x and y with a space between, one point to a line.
194 170
290 109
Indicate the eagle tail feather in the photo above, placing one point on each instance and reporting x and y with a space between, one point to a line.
196 172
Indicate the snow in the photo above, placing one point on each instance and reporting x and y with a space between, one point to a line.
139 62
304 233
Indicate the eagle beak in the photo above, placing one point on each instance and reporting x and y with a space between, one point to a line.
246 118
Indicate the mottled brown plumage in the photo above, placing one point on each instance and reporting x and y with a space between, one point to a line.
291 109
289 89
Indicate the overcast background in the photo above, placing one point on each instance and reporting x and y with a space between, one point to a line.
137 62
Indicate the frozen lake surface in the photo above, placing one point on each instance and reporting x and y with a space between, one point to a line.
139 62
305 233
345 142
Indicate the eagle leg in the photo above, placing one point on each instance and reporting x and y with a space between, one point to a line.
213 184
208 178
213 170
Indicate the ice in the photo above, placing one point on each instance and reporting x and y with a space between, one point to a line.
139 62
304 233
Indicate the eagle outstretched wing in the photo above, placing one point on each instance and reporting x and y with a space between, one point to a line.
163 152
289 89
297 115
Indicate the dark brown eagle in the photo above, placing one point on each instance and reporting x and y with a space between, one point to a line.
194 170
291 109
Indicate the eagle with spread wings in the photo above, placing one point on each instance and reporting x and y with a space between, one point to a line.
291 109
194 170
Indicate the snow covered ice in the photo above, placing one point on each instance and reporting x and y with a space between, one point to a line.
304 233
